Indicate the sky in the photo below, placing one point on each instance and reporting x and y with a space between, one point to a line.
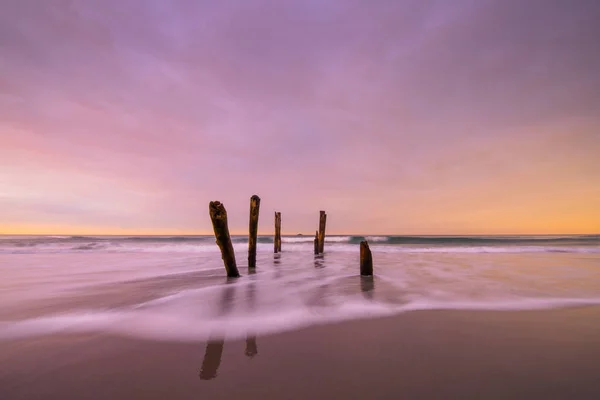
396 117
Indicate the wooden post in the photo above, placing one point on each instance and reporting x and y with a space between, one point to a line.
322 222
366 259
316 242
218 216
277 239
253 230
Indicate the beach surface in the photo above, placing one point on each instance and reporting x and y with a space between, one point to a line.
549 354
443 317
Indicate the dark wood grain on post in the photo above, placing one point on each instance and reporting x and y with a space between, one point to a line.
218 216
316 242
366 259
253 230
277 239
322 223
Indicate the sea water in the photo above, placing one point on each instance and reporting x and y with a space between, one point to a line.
175 288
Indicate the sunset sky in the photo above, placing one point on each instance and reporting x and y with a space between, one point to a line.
404 117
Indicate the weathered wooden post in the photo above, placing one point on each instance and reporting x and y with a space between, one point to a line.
366 259
316 242
218 216
277 239
253 230
322 222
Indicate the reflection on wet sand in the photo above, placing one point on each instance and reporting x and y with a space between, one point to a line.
227 297
319 260
214 348
212 359
251 293
277 262
251 347
367 286
214 352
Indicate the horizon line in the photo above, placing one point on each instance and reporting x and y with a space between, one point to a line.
300 234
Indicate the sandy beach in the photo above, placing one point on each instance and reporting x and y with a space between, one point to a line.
140 318
552 354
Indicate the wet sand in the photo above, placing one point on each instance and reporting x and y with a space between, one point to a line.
553 354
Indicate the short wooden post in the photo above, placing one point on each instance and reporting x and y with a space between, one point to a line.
277 239
218 216
253 230
316 242
322 222
366 259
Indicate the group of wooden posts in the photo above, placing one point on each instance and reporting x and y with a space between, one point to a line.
218 216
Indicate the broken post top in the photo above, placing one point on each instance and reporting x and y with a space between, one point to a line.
254 210
217 210
254 202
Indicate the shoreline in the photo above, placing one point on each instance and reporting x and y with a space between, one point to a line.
422 354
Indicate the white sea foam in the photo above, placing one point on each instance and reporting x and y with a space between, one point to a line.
377 238
336 244
487 249
299 239
180 327
382 244
162 292
337 239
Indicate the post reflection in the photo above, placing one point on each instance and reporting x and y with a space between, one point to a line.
227 297
319 261
367 286
214 347
251 293
276 263
214 352
212 359
251 346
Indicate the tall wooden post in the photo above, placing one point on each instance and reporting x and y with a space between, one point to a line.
218 216
322 222
277 239
252 237
316 242
366 259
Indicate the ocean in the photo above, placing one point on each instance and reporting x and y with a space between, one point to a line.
174 288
